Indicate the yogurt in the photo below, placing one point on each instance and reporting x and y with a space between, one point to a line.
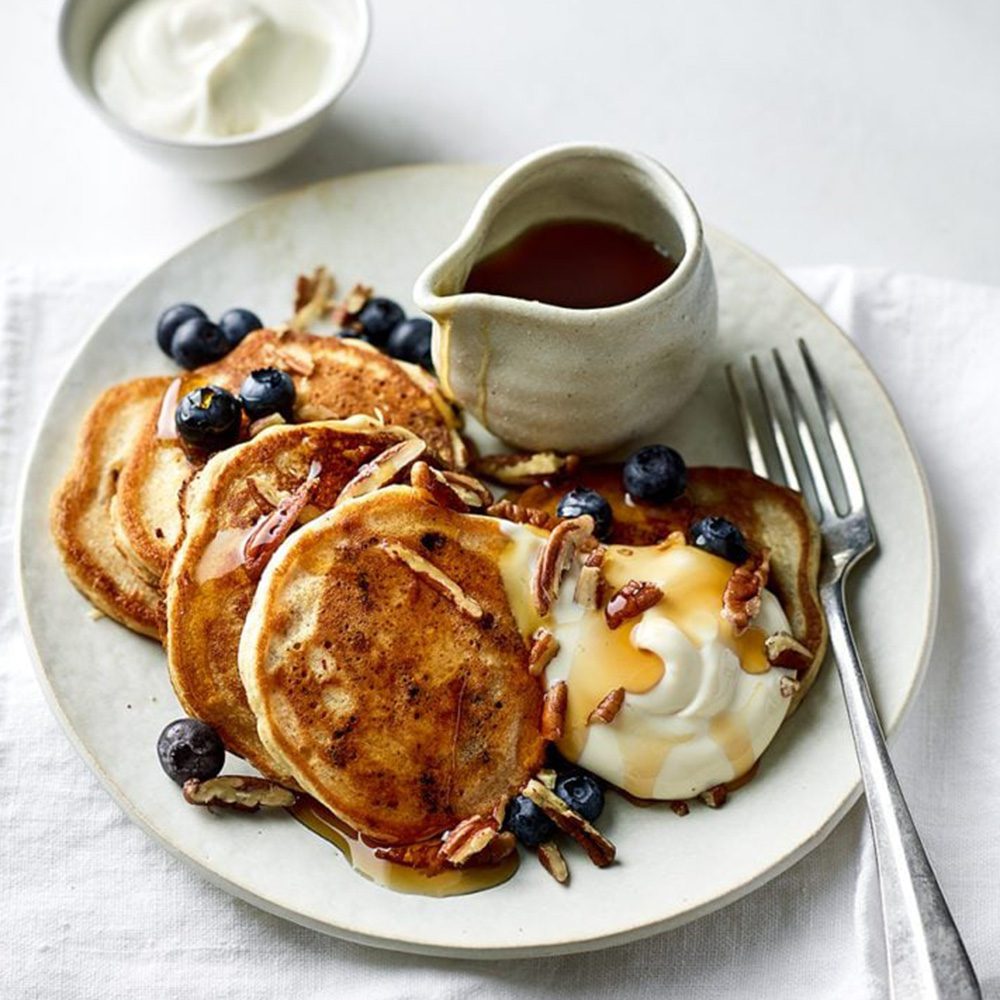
701 703
200 70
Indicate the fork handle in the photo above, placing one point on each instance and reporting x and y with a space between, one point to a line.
926 956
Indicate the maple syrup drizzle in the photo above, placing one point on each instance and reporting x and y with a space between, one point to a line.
361 856
252 547
603 659
166 422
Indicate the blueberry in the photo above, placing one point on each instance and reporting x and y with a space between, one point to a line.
267 391
379 317
582 793
198 341
584 500
209 418
188 748
656 474
235 324
527 822
721 538
170 319
411 341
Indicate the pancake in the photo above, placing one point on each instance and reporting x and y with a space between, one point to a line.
395 705
81 518
334 378
212 581
770 516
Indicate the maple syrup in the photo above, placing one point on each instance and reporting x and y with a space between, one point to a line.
362 857
574 263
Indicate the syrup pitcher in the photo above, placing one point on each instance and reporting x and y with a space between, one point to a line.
576 312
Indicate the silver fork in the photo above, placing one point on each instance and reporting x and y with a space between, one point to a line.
925 952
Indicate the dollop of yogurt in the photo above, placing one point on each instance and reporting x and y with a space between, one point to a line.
701 704
211 69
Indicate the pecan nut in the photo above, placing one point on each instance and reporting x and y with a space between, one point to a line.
507 510
525 469
434 577
608 708
634 597
383 469
553 861
599 849
243 793
554 711
784 650
742 596
544 646
554 559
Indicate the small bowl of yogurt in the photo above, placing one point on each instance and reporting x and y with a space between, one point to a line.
219 89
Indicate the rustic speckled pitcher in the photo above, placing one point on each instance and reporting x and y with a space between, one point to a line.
585 381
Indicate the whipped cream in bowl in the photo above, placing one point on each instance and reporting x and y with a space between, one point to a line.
218 88
701 703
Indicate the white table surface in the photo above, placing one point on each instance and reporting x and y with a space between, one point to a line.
860 133
863 132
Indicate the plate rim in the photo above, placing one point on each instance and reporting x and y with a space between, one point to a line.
578 944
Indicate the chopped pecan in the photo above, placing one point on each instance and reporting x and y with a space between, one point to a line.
554 711
344 314
238 791
433 576
634 597
271 420
599 849
383 469
314 298
715 797
787 687
680 807
425 857
527 469
507 510
741 598
589 592
433 486
609 707
548 777
470 489
784 650
468 839
555 557
454 490
544 646
553 861
273 528
296 359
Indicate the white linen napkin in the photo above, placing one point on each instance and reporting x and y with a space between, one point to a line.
89 906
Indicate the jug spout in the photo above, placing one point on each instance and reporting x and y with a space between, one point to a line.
582 380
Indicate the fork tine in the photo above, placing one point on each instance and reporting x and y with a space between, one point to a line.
777 431
808 443
838 436
755 452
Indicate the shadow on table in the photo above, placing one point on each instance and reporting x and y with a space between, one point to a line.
343 145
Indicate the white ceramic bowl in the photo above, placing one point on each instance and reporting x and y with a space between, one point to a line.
82 24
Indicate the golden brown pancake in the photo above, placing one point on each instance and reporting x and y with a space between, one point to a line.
215 572
81 519
399 709
770 516
334 378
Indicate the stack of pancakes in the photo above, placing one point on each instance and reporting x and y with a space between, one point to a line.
358 680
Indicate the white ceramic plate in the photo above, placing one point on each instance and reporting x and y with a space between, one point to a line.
110 689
